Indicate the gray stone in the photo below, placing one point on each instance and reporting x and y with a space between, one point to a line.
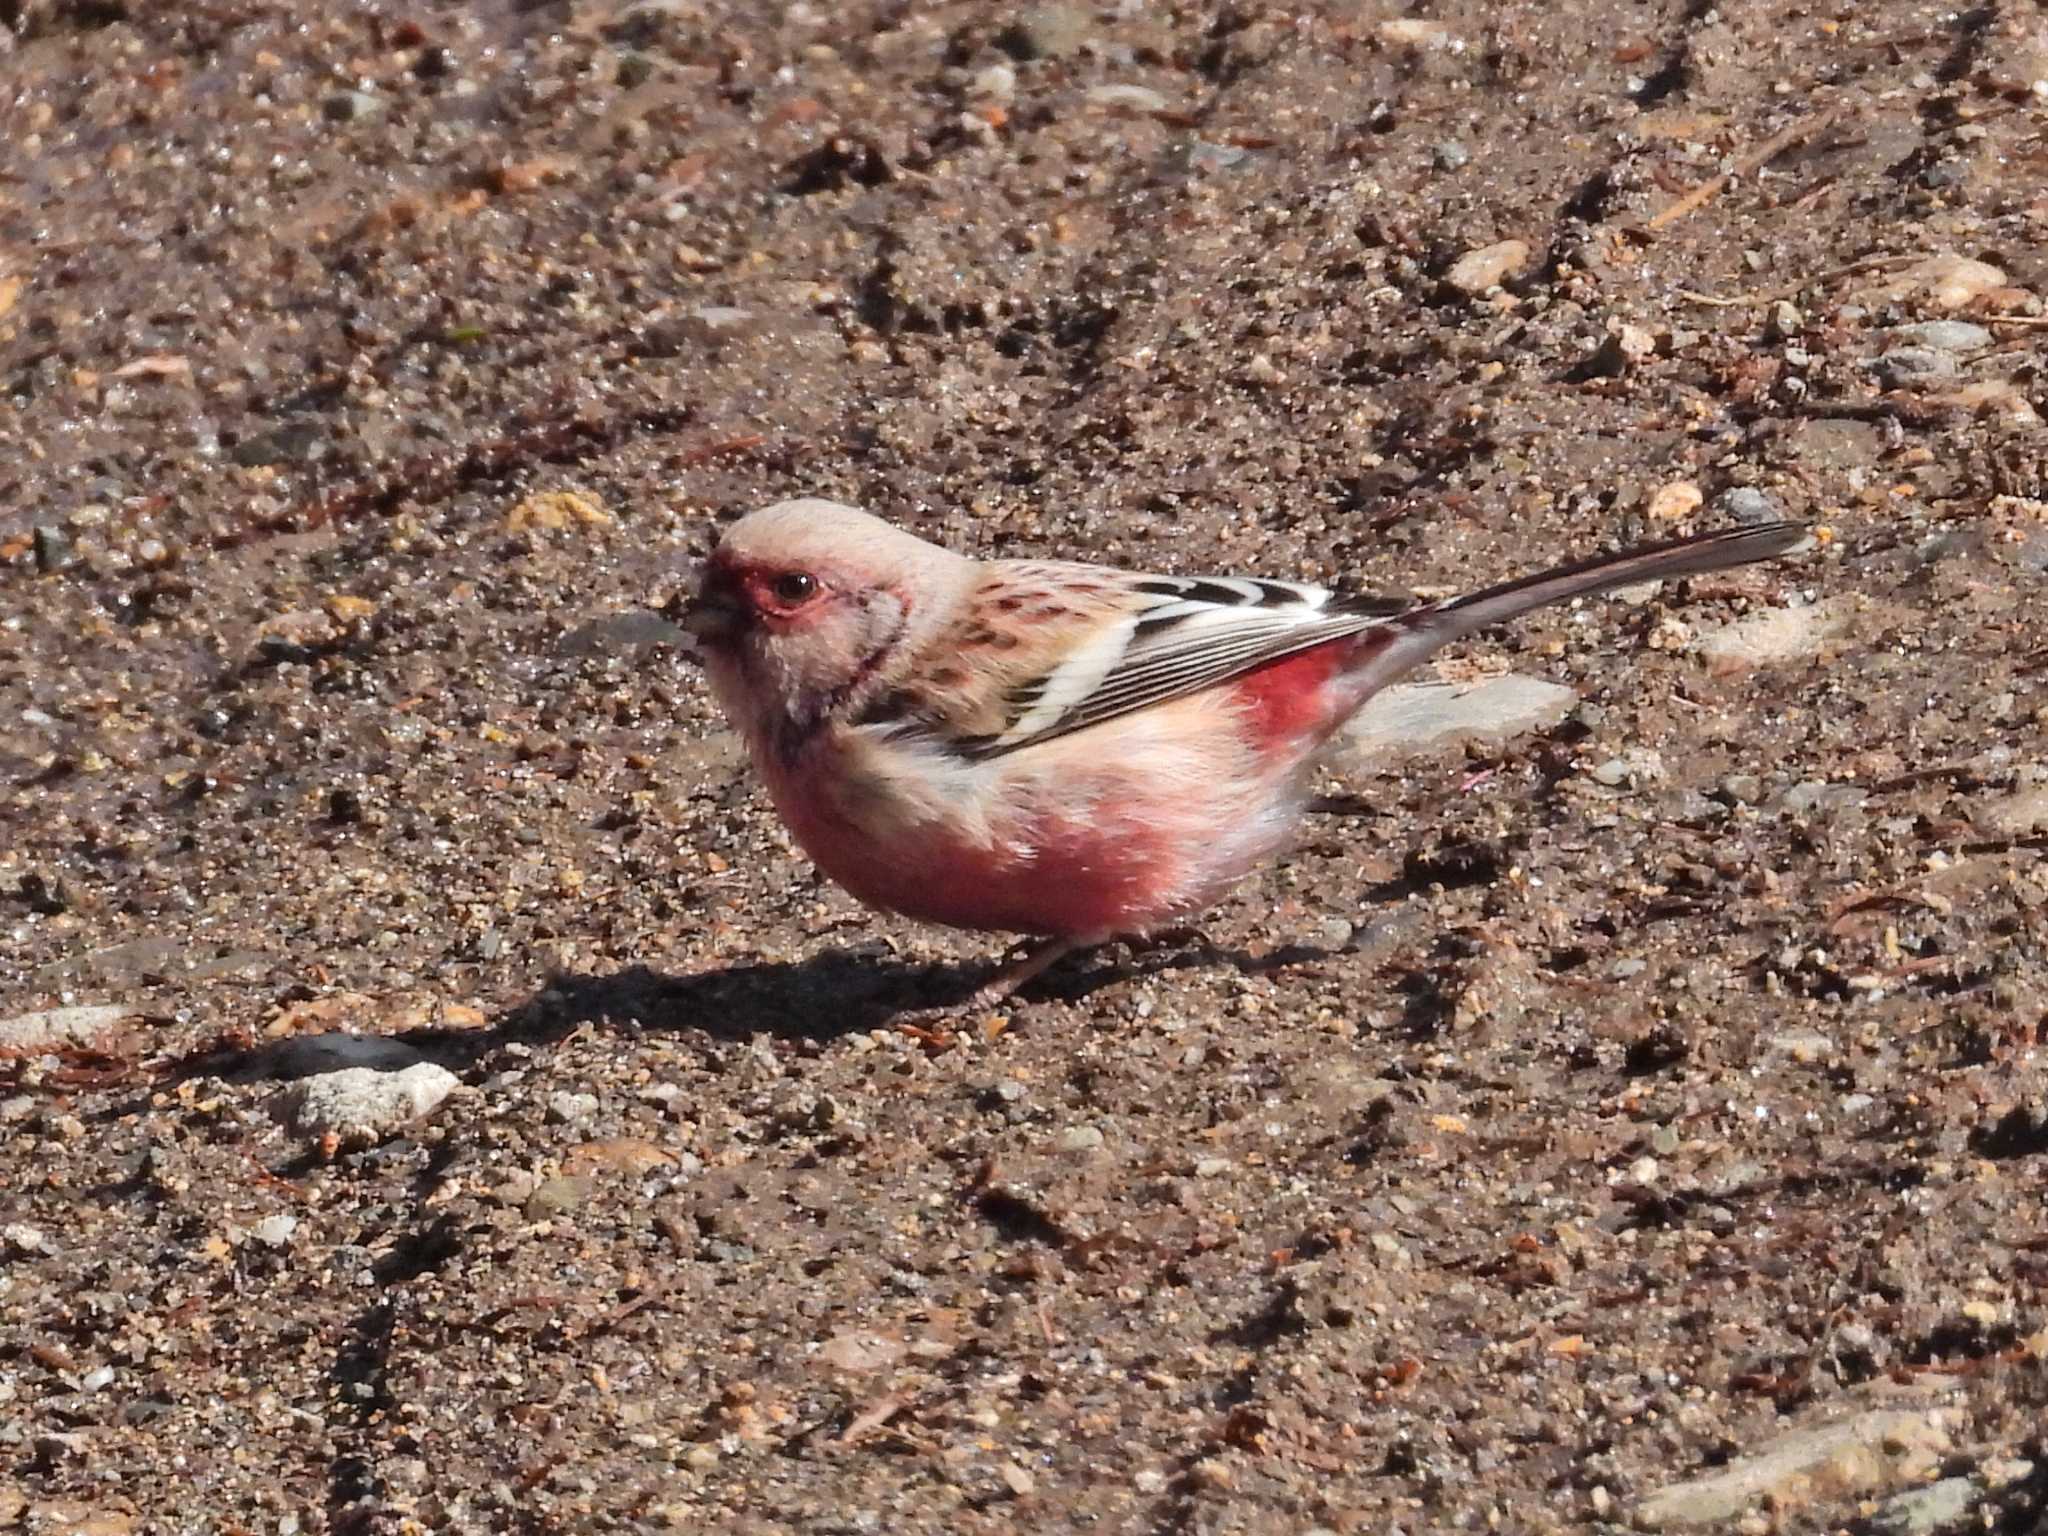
1850 1458
1817 795
1045 32
1747 504
1944 335
567 1108
1836 444
2021 814
1639 765
1742 788
1136 100
1903 367
1923 1511
1422 717
564 1192
1205 158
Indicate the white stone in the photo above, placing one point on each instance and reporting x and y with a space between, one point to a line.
1771 636
1873 1452
1413 718
55 1029
361 1106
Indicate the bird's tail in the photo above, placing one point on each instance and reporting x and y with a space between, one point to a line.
1421 631
1692 556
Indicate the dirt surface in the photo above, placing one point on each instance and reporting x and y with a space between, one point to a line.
1566 1123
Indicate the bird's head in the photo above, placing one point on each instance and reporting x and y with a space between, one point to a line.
808 609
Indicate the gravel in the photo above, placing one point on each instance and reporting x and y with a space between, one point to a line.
1520 1152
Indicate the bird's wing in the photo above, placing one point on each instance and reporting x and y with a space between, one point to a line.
1179 636
1045 650
1069 646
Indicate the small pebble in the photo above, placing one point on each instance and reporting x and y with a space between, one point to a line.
567 1108
275 1231
564 1192
1746 504
1126 100
997 84
1206 158
1415 32
1476 271
1261 371
1742 788
54 549
1944 335
1673 502
1045 32
1903 367
351 106
1450 155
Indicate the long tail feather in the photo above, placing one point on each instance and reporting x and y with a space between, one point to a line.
1422 631
1693 556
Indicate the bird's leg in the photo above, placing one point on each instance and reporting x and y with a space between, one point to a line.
1023 970
1026 968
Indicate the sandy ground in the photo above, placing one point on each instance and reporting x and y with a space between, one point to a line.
1633 1120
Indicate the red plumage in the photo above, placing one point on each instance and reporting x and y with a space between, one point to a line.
1058 749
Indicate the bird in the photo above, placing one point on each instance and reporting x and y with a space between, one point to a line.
1066 751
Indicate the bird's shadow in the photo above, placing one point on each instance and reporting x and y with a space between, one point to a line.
840 992
824 997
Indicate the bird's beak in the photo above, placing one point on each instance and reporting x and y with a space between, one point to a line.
710 617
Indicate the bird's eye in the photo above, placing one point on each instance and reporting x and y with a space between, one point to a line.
793 587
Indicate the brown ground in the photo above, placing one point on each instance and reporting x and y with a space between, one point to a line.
1525 1143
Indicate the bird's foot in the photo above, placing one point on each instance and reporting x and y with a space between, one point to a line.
939 1026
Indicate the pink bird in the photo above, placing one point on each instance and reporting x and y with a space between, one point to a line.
1070 751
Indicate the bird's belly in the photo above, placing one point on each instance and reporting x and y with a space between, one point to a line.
1090 848
1043 876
